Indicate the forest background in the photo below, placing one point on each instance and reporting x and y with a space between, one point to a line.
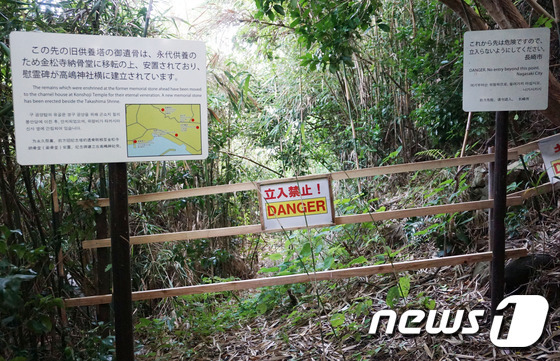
305 87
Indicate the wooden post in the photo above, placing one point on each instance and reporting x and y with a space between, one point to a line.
56 221
499 212
120 247
103 254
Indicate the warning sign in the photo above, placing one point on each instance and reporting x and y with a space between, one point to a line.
506 69
550 150
296 203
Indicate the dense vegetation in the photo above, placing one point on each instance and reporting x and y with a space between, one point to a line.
310 87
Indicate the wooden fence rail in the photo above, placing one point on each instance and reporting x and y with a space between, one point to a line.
514 199
349 219
298 278
342 175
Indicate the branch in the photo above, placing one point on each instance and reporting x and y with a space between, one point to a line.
252 161
556 4
255 21
539 8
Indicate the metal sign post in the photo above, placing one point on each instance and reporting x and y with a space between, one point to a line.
498 235
504 70
120 247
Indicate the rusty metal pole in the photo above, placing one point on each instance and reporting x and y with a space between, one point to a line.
499 210
490 196
120 249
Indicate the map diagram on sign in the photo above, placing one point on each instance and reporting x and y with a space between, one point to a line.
163 129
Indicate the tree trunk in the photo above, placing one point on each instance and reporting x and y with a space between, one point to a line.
469 16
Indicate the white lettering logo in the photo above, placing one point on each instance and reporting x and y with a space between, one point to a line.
527 322
525 329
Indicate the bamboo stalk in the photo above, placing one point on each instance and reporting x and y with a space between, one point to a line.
298 278
466 137
556 5
535 5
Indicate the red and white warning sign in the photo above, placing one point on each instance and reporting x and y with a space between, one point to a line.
550 150
296 203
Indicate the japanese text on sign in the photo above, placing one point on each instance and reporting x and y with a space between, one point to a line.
105 64
531 48
506 70
296 204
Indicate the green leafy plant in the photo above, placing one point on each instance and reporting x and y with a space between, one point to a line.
398 292
327 29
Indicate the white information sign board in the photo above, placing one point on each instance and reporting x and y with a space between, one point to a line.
306 202
506 70
105 99
550 151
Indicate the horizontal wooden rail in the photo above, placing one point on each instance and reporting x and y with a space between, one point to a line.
183 193
298 278
179 236
529 147
423 211
413 167
536 191
350 174
350 219
526 148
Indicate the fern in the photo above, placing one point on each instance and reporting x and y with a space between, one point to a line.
432 153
